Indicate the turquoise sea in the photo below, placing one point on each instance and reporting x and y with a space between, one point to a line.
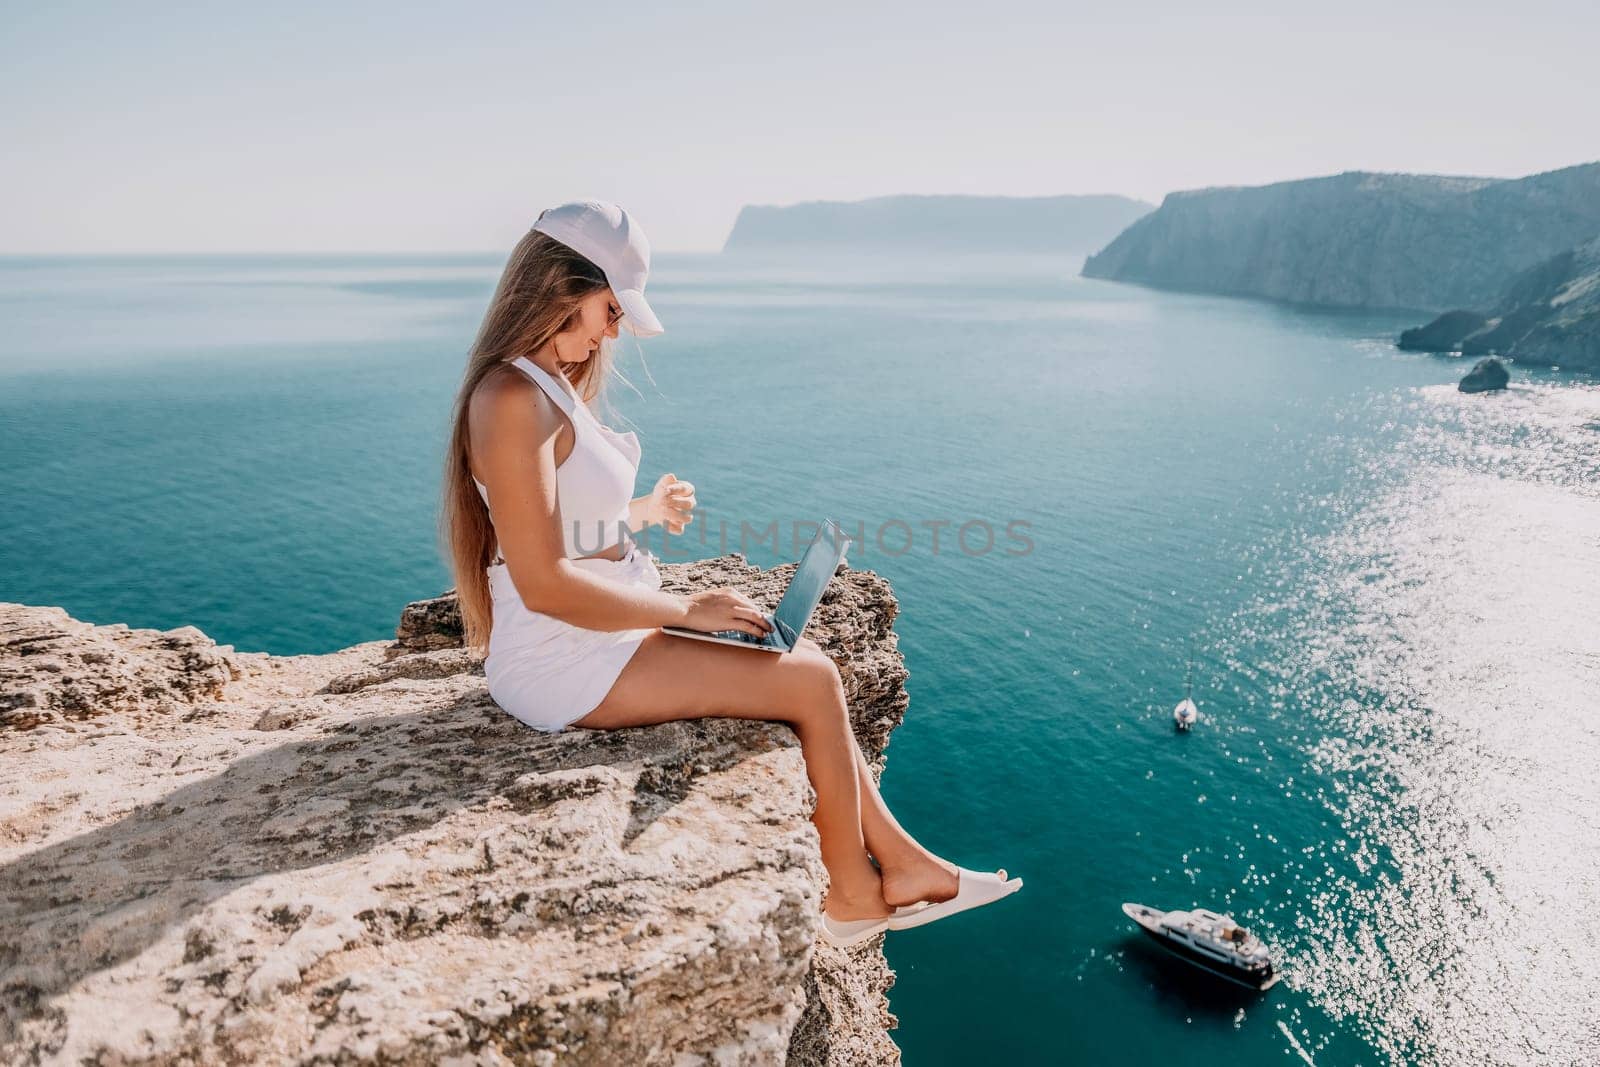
1392 591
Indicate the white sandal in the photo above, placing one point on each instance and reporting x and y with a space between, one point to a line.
846 933
976 888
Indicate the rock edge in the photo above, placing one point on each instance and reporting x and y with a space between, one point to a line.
216 856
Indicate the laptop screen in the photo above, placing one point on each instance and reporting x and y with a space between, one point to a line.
811 577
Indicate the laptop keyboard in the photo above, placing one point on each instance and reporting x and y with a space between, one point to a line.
740 635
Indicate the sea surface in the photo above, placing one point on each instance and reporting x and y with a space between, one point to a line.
1391 592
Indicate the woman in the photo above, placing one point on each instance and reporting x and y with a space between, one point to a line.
539 516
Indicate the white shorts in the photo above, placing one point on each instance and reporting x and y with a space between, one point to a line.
549 673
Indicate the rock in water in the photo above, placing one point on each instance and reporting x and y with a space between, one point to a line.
1488 375
1443 334
210 856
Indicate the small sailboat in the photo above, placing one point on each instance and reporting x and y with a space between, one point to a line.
1186 714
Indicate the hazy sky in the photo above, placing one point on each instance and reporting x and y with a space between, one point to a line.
387 127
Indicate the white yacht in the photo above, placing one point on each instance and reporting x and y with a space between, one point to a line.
1209 940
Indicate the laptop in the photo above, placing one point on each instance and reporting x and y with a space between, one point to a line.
800 599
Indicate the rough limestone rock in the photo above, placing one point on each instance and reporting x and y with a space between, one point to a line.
209 856
1489 374
55 669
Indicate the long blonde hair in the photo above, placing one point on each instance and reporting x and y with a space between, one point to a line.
538 296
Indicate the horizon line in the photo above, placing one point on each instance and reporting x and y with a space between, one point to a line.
184 253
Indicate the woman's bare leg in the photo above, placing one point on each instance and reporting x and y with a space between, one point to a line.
910 872
672 678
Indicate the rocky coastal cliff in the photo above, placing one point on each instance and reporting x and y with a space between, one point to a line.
1358 240
1549 316
215 856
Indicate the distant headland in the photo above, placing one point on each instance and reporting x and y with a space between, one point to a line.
1023 224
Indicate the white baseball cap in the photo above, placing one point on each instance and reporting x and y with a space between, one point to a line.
609 238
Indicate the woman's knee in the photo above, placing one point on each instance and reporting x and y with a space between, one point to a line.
819 693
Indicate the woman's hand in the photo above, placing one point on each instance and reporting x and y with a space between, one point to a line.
725 608
671 503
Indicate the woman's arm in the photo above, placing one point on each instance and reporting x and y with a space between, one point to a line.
513 427
639 513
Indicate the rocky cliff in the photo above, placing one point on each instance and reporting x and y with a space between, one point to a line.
1033 224
1548 316
209 856
1358 239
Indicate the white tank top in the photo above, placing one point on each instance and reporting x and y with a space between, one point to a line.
594 484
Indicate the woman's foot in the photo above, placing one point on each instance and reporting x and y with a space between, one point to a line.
861 898
920 878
